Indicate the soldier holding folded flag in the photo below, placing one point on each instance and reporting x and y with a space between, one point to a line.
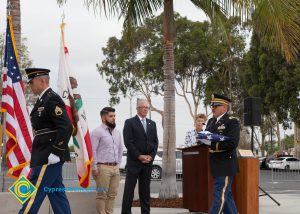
223 157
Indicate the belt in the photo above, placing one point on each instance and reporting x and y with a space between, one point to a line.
43 131
215 151
108 164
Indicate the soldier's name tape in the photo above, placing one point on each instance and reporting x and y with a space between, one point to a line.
73 189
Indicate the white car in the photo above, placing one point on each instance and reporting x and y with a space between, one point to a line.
122 166
157 164
286 163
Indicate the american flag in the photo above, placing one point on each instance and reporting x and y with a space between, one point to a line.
206 135
68 90
18 138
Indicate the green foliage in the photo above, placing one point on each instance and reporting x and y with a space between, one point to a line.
225 78
201 59
270 77
288 142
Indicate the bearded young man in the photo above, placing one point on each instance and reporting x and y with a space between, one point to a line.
107 152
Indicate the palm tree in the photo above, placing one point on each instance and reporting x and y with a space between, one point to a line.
276 22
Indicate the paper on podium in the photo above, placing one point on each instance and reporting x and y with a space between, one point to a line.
246 153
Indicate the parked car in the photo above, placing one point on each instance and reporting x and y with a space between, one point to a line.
286 163
266 161
157 164
122 166
261 161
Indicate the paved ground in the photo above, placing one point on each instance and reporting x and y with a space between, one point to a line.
285 191
289 205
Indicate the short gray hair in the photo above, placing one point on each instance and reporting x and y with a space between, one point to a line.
140 101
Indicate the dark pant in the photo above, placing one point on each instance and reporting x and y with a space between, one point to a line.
52 178
222 196
143 174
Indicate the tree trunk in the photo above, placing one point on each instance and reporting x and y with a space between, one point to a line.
296 141
15 12
168 188
279 139
263 139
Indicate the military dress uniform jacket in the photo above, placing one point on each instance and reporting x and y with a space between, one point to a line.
52 129
223 157
138 142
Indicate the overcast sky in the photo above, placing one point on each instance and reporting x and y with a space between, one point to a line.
85 35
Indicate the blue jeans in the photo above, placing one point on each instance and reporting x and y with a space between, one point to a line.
222 196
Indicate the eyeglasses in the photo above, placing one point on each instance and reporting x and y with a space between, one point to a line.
144 107
215 105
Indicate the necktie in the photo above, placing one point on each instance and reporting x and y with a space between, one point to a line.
212 124
38 101
144 124
214 121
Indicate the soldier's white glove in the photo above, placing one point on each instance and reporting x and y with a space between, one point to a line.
53 159
205 141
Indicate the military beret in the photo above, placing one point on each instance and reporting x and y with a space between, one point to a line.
35 72
217 99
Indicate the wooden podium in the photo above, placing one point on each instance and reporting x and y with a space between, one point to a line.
245 186
197 183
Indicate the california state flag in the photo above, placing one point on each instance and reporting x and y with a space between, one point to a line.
68 90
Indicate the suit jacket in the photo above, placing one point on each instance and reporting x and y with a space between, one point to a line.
223 157
138 142
52 129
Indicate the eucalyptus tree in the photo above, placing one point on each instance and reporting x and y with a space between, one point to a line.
199 55
276 22
268 75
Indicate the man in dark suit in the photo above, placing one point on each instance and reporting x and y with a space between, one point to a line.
223 158
140 139
52 130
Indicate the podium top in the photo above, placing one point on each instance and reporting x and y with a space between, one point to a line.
246 153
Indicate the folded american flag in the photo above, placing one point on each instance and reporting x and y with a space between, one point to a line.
211 136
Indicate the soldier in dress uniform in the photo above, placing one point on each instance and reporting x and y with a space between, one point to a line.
223 157
52 130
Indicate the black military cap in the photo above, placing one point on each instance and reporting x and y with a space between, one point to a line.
217 99
35 72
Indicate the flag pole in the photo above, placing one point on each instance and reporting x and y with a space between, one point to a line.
3 166
62 28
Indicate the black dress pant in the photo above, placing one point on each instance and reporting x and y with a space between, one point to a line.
143 174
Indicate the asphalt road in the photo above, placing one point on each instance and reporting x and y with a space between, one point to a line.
284 182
